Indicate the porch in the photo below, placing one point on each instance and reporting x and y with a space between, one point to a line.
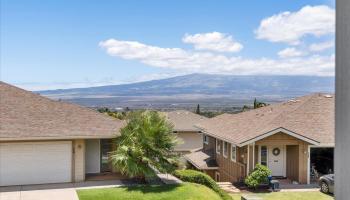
97 163
286 185
284 155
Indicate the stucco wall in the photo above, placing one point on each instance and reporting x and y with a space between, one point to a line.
189 141
92 156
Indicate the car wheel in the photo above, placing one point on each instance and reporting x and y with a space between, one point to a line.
324 187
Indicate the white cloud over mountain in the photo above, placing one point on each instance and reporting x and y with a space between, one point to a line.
290 52
317 47
214 41
291 27
205 62
210 52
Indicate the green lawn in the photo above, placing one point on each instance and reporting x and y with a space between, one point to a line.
290 196
190 191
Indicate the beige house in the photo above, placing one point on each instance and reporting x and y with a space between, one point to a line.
189 136
46 141
290 138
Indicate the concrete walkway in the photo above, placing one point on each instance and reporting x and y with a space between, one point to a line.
62 191
169 179
228 187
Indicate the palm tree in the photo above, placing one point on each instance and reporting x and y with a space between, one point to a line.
146 143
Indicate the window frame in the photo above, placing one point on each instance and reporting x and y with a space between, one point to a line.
260 157
235 147
205 139
223 149
217 144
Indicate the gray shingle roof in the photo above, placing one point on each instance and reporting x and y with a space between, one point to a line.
184 120
202 160
25 115
310 116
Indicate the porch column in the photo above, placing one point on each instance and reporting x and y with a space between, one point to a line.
253 156
248 166
78 169
303 163
250 158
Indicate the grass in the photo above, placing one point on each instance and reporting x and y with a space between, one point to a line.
290 196
190 191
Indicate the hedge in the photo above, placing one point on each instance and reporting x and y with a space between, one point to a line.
194 176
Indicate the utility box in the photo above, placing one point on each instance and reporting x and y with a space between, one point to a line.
275 185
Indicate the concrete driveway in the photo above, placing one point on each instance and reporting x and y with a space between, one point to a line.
39 192
63 191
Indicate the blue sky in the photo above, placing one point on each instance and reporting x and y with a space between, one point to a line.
63 44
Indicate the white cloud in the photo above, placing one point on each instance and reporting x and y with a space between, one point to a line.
204 62
153 76
290 52
317 47
38 86
290 27
214 41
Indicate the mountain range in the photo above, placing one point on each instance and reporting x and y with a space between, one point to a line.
197 88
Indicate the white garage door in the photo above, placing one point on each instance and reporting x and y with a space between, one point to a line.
35 162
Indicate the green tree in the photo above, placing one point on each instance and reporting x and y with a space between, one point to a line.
258 104
198 110
245 108
146 143
255 104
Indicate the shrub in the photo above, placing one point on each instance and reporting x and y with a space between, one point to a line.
194 176
258 176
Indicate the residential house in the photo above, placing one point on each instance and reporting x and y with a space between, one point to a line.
47 141
292 138
189 136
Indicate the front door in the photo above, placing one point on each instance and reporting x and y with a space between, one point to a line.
276 159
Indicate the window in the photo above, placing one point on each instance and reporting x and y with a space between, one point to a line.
106 147
218 146
205 139
233 152
263 155
225 149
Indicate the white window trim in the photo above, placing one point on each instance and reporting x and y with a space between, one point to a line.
223 149
234 146
267 155
205 141
216 147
